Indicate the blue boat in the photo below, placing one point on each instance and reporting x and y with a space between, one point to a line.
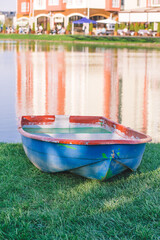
92 147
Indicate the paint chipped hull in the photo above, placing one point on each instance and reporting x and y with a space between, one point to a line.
88 159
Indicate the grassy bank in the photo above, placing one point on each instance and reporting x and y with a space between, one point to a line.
139 42
36 205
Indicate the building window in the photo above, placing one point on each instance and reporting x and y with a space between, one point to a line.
24 7
53 2
79 2
69 1
40 2
115 3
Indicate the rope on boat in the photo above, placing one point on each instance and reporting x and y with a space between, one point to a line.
118 160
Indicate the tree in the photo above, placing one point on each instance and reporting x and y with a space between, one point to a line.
9 22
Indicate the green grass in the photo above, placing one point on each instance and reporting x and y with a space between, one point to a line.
36 205
110 41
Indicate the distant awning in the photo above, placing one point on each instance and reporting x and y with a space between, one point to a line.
146 16
84 20
107 21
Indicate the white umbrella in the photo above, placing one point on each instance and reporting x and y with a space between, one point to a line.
107 21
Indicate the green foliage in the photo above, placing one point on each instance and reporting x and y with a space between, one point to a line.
4 27
33 27
48 27
142 26
136 27
131 27
69 27
116 27
158 28
151 26
36 205
122 25
17 27
90 27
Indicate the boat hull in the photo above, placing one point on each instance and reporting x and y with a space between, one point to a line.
92 161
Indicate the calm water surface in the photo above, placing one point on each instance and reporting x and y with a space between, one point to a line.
120 84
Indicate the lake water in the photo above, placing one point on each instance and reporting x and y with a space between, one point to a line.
40 78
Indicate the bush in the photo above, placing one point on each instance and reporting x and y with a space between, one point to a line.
48 27
33 27
131 27
69 27
4 27
141 26
116 27
17 28
136 27
158 28
90 27
151 26
122 25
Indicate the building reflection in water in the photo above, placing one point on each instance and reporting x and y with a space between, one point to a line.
122 85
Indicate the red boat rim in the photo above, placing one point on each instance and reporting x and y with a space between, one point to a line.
49 119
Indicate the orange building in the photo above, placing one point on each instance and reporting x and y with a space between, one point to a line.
113 5
64 11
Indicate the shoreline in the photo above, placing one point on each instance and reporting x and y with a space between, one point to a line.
107 41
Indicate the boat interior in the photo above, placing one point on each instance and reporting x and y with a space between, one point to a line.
66 127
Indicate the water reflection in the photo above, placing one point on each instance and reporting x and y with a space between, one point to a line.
120 84
67 81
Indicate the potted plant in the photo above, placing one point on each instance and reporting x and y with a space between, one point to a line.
48 28
116 29
136 28
33 28
151 26
90 28
4 28
17 29
131 27
122 26
142 26
158 30
1 26
69 28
